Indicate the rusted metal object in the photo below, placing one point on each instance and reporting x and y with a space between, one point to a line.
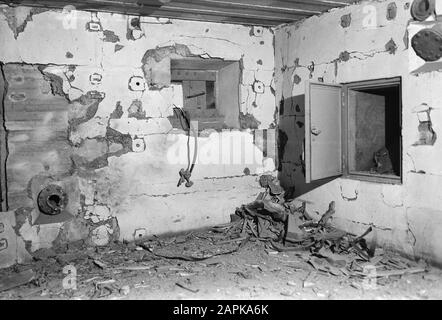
421 10
52 200
427 43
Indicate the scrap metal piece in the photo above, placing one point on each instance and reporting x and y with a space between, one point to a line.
185 176
328 214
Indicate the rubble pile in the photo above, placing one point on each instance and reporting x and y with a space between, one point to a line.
285 227
270 236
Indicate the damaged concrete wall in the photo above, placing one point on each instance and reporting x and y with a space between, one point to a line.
362 42
72 78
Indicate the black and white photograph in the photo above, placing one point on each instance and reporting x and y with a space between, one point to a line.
233 152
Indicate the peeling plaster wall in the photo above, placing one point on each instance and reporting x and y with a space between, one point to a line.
123 171
338 49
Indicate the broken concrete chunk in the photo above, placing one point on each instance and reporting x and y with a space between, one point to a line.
101 235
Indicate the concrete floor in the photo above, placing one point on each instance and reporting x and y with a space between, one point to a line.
253 272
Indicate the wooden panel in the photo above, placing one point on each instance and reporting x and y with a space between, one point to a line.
37 124
323 131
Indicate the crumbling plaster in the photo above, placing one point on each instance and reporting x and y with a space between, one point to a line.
119 191
406 217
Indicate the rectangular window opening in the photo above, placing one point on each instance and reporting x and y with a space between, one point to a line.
210 91
373 133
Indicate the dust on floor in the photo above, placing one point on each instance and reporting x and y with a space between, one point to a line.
204 265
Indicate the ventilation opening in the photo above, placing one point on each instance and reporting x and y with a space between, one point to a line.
208 90
52 200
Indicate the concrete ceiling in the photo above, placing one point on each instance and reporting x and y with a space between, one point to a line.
247 12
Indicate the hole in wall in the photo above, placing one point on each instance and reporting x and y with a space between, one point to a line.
52 200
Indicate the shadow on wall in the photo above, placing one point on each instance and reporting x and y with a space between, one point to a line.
291 136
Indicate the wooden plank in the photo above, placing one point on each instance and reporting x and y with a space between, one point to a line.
230 12
261 5
217 19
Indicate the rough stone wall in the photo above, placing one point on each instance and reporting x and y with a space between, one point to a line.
87 71
362 42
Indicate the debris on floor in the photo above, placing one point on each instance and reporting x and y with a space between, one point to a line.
16 280
271 248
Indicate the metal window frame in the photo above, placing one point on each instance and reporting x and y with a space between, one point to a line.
368 84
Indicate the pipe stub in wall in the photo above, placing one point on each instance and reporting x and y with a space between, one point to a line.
427 43
52 200
421 10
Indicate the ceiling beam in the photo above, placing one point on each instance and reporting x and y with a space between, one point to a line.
248 12
181 7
